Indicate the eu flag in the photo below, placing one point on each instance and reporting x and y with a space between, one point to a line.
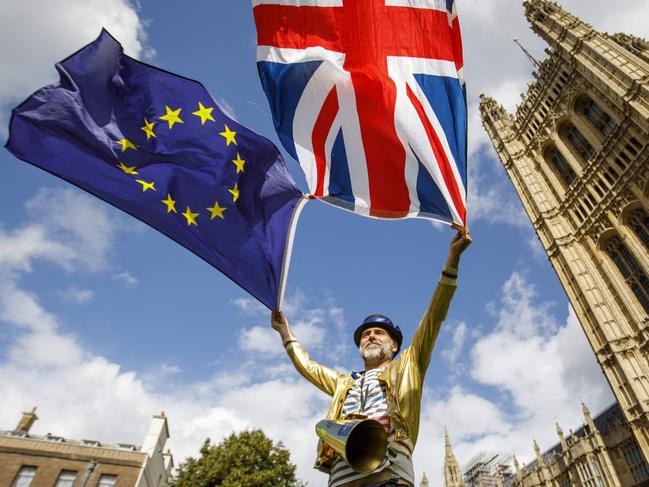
157 146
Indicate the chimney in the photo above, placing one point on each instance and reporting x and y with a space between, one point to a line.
157 436
27 421
168 462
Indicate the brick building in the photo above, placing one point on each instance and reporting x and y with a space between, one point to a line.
28 460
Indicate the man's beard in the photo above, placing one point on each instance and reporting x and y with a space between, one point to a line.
377 353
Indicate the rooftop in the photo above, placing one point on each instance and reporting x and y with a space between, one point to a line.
59 439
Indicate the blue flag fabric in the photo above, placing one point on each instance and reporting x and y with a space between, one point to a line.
155 145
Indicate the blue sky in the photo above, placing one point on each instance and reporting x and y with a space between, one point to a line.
104 322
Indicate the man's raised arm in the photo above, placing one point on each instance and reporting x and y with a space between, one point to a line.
428 329
322 377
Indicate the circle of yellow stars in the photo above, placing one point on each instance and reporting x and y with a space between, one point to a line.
172 117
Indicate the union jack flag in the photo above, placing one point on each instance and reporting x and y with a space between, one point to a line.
369 97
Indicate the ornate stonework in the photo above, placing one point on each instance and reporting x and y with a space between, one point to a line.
600 453
452 471
577 153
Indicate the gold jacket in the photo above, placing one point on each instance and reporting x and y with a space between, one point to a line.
403 377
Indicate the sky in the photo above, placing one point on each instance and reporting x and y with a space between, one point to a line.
104 322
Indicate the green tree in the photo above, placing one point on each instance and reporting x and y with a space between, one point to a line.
247 459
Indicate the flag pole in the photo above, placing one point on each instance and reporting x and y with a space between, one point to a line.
288 249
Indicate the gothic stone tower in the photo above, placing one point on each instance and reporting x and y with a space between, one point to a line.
577 153
452 472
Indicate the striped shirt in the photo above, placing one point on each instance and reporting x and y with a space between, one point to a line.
368 397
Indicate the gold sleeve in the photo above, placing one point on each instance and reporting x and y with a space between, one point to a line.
428 329
320 376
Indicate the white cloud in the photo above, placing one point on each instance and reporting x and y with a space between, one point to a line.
84 222
39 33
75 295
264 340
452 352
309 326
66 227
41 344
460 405
489 201
250 306
126 278
18 247
21 309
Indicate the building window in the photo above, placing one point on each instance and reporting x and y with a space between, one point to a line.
598 117
66 478
24 477
107 481
579 143
597 474
639 222
636 462
561 165
630 269
586 474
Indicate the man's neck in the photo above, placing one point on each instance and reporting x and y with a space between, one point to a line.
376 365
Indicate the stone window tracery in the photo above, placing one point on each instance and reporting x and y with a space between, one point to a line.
636 461
561 165
579 142
601 120
630 269
639 222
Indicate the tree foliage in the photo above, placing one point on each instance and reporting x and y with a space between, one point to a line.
246 459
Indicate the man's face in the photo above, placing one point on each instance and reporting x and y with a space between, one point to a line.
376 344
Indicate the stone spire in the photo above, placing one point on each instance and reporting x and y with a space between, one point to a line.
517 465
562 439
544 16
539 457
424 481
452 472
588 418
490 108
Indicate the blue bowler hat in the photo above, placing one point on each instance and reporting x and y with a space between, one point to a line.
382 322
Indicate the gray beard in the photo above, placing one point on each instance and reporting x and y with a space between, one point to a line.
375 354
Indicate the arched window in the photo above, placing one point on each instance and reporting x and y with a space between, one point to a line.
635 461
639 222
601 120
561 165
578 142
630 269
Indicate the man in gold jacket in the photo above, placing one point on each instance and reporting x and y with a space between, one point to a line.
396 392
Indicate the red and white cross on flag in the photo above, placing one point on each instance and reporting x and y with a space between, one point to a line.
369 97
